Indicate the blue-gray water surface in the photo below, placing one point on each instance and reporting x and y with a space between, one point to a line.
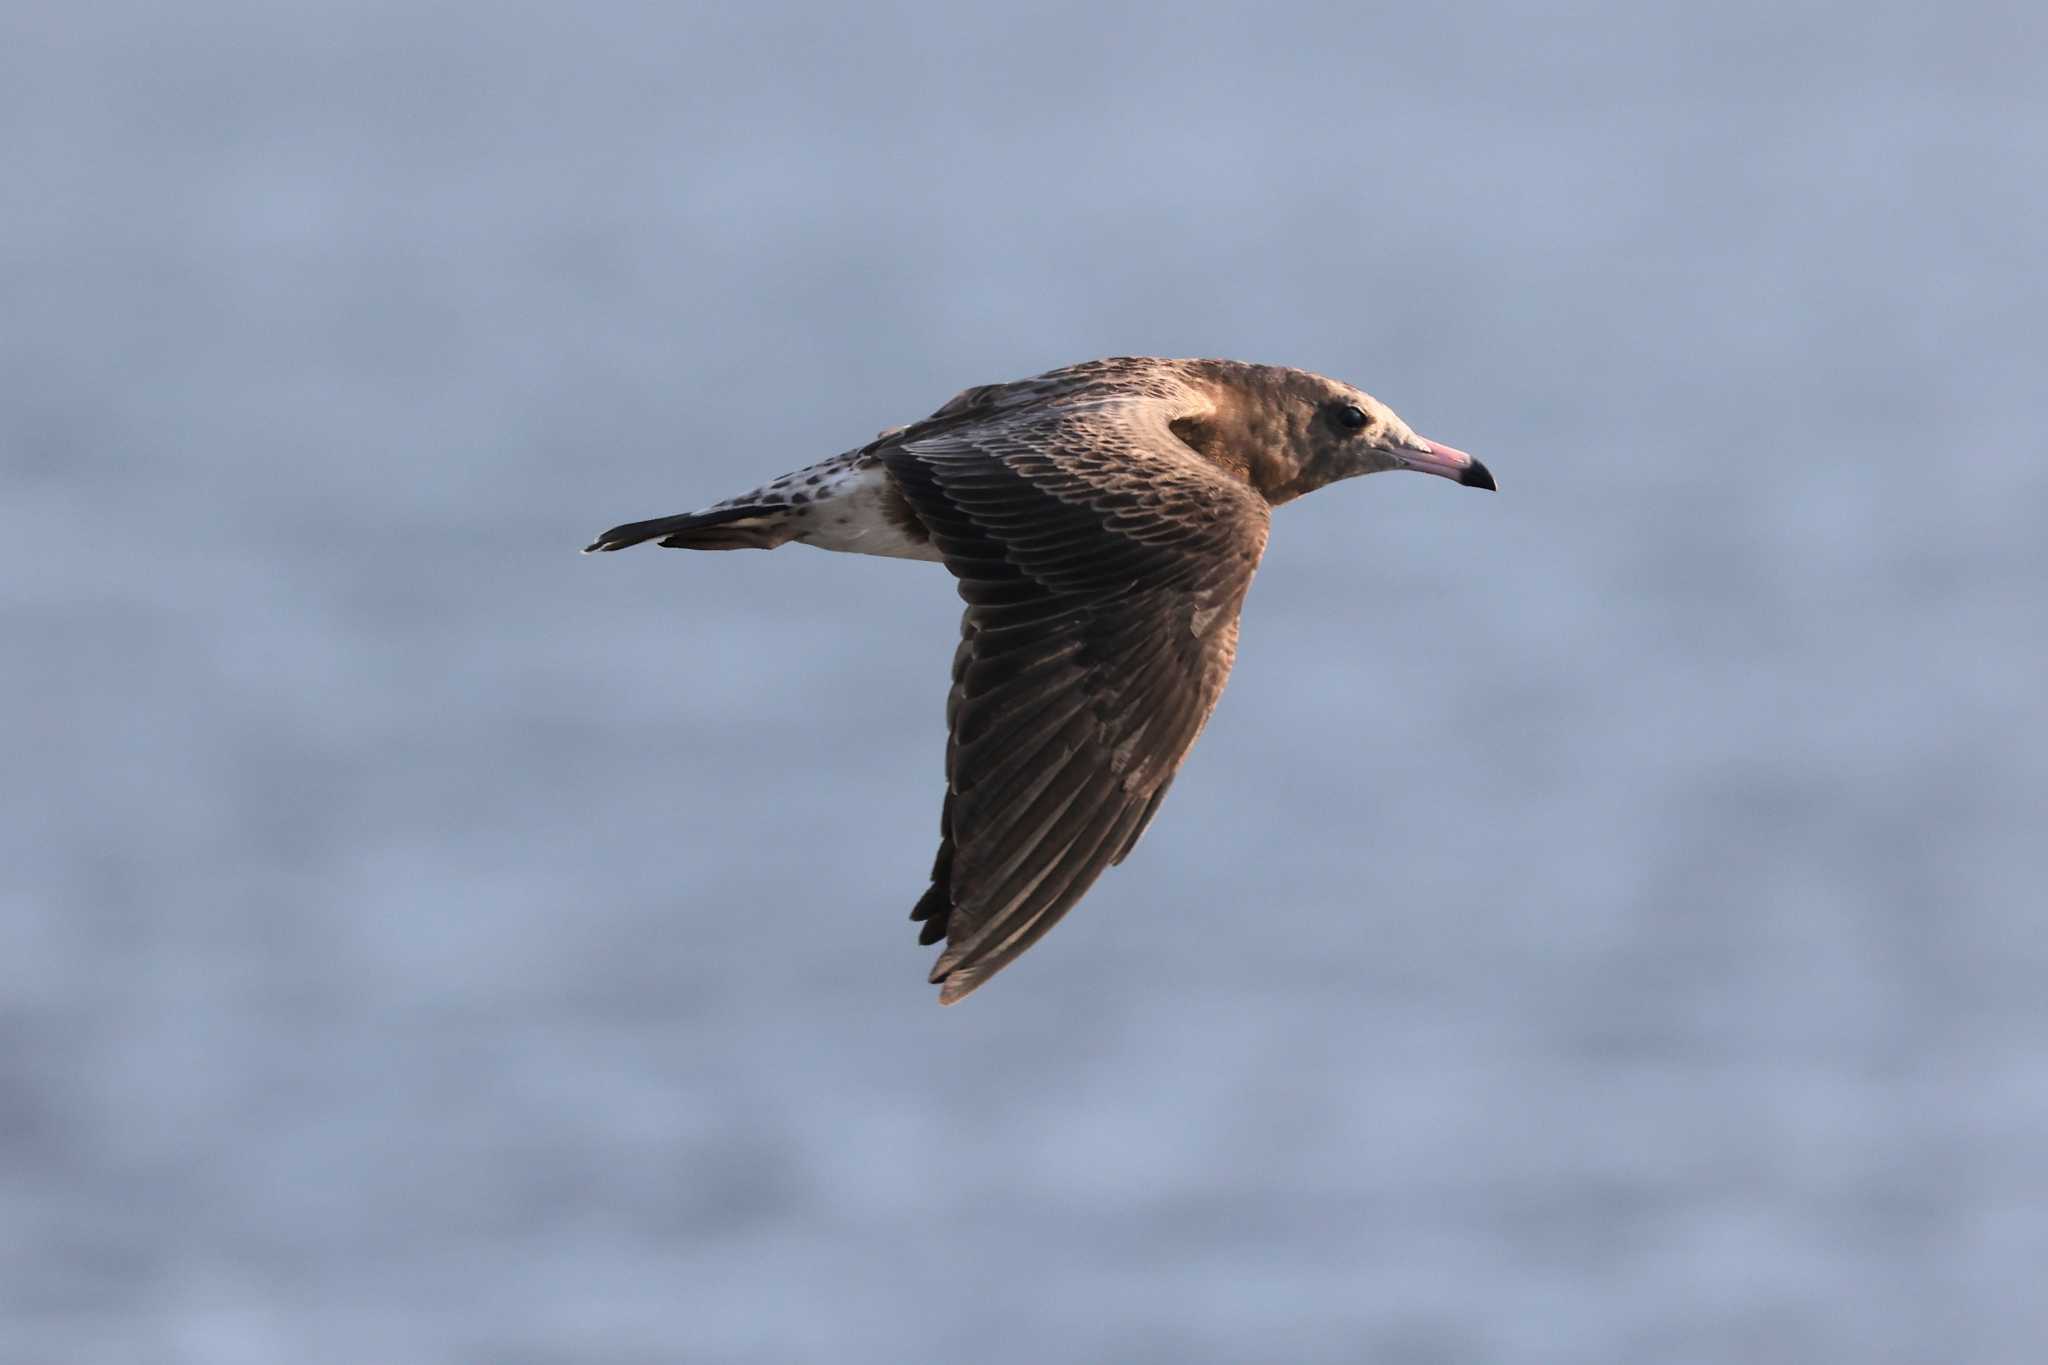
1604 921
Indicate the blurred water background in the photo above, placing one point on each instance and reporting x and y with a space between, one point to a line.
1603 923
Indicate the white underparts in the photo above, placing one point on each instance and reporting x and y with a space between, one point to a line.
838 505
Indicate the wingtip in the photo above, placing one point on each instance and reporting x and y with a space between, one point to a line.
954 984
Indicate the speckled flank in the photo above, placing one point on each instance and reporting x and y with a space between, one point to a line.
847 503
860 511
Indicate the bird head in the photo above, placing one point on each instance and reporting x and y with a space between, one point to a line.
1293 432
1343 432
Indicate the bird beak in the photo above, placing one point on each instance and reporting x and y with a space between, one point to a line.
1431 458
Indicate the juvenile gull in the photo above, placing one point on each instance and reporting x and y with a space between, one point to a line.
1103 521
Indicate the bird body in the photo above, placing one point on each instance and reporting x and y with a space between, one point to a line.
1103 522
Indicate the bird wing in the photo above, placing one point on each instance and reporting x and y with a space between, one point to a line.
1103 563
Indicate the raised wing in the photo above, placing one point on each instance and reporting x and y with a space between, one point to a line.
1103 564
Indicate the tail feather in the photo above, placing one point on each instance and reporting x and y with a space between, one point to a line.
756 526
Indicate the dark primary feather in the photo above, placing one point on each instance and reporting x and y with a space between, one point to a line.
1104 565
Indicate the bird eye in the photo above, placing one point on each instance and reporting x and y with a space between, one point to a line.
1351 417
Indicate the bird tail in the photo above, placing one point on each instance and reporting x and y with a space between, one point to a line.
756 526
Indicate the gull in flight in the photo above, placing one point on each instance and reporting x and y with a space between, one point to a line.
1103 521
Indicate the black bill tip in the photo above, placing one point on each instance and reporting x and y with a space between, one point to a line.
1477 475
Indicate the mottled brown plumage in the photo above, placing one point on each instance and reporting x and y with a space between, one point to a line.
1104 522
